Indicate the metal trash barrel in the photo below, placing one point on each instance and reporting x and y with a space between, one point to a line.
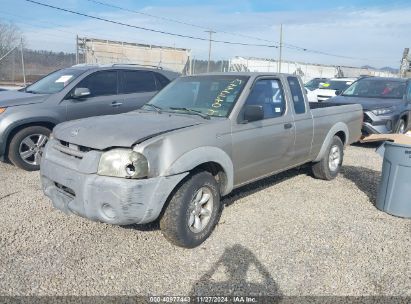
394 194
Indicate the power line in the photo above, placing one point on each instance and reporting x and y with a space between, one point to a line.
289 46
178 21
284 45
46 25
36 25
146 14
145 28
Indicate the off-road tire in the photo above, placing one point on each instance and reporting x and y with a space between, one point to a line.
13 152
174 222
321 169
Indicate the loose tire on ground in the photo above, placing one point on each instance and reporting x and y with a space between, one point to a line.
15 147
329 167
177 223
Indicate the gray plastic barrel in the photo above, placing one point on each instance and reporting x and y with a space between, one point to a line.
394 194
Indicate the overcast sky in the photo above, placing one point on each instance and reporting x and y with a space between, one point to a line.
369 32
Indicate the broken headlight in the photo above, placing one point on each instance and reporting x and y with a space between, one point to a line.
123 163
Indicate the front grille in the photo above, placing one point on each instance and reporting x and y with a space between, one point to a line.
70 149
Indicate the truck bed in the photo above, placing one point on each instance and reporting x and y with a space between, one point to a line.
325 115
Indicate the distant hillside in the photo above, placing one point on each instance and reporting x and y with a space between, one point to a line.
387 69
37 64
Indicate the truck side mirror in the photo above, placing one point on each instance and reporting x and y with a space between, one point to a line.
253 113
80 93
338 92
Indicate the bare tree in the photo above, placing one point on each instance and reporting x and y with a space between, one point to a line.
9 36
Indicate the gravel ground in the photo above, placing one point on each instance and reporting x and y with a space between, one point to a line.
286 235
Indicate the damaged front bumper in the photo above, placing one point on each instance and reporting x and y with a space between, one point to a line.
100 198
384 124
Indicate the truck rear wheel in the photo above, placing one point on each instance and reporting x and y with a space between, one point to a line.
193 211
26 147
329 167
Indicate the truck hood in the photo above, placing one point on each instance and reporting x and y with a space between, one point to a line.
122 130
368 104
17 98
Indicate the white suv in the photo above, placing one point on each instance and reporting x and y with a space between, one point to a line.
332 87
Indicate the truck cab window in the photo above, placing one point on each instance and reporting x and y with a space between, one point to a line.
297 95
269 94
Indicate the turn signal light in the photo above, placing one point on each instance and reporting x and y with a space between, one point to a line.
2 110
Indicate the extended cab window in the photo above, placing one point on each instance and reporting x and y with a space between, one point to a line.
268 94
100 83
138 82
297 95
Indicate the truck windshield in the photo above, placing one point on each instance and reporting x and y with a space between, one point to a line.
335 85
315 83
376 88
209 95
54 82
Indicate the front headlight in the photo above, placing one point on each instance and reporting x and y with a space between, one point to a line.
383 111
2 110
123 163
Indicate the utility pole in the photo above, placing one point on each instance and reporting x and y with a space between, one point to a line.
209 49
281 48
77 59
22 61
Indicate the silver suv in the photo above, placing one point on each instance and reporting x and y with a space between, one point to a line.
28 116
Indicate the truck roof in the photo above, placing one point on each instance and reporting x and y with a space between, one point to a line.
386 78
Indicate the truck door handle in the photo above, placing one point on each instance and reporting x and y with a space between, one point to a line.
288 126
115 104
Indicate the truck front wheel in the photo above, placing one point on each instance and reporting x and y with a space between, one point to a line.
329 167
193 211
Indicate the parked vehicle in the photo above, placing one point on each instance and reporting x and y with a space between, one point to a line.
386 103
311 96
194 142
315 83
28 116
332 88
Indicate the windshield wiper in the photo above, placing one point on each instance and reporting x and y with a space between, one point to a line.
156 108
199 113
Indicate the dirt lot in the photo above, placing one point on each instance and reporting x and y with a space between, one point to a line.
286 235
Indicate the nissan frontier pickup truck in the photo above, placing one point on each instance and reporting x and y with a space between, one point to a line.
190 145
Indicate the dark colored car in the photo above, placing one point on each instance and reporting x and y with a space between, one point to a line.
314 83
386 103
28 116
